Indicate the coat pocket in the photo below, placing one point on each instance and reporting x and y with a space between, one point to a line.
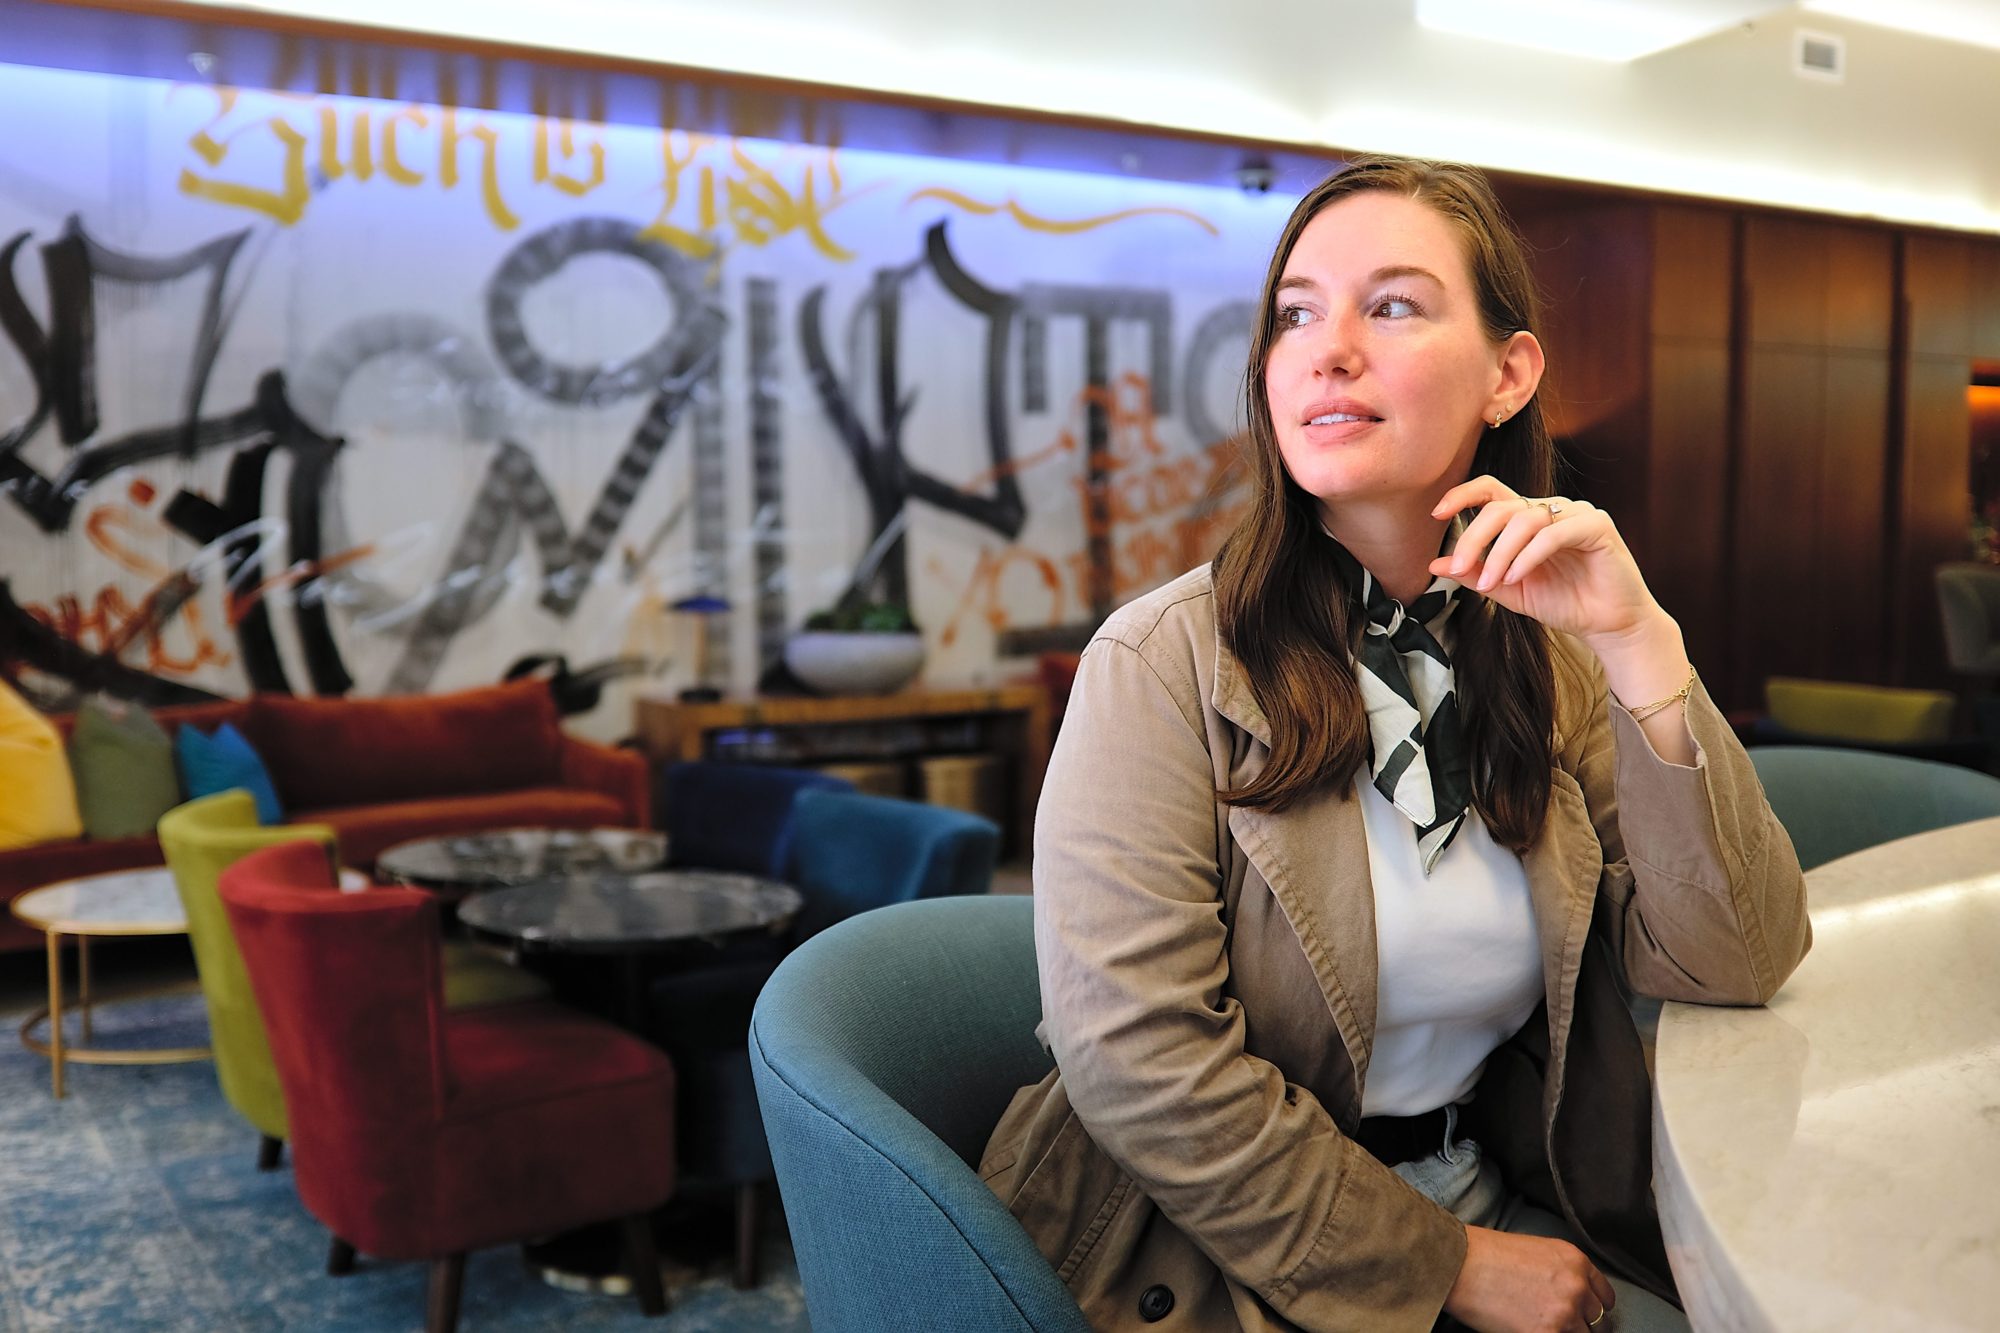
1060 1186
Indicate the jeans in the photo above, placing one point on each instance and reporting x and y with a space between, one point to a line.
1459 1179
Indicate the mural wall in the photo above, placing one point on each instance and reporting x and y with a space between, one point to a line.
332 395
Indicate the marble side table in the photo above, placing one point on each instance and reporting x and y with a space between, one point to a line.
1832 1162
121 903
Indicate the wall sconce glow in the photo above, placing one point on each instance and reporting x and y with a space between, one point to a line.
1588 28
1974 21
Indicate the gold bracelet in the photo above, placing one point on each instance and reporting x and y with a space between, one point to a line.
1679 696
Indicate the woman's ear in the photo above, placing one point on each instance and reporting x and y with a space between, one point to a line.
1521 365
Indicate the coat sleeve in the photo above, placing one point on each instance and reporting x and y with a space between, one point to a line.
1711 904
1132 946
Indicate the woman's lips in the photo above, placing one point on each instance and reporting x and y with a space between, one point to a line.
1332 428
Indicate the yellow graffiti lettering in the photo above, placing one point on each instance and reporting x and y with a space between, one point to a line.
677 155
392 162
565 138
756 206
287 203
762 209
450 138
360 137
1054 226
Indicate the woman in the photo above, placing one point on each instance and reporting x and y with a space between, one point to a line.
1353 844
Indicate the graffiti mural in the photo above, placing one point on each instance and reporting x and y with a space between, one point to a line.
327 394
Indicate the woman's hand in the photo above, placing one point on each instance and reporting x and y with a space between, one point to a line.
1526 1284
1557 561
1562 562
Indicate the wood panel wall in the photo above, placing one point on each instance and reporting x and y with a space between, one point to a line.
1774 407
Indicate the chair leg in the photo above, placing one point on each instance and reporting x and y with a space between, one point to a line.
642 1264
270 1152
747 1199
447 1279
339 1258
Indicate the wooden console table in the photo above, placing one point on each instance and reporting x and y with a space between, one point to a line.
1013 721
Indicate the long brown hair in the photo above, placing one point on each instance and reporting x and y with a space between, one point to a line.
1280 604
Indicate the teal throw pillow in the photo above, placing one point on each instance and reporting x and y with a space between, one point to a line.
224 762
124 769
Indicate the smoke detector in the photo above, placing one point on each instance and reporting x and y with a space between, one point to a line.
1819 55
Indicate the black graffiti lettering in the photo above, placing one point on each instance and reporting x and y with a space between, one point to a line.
878 458
25 332
65 360
1223 330
767 470
513 490
1099 308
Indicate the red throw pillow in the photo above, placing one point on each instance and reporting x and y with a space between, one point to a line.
333 752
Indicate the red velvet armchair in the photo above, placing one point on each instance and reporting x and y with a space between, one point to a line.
419 1133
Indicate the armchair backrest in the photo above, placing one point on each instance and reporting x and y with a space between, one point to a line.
352 993
738 817
884 1051
1833 801
1969 604
200 840
851 852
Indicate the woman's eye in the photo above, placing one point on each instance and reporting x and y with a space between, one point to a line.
1397 307
1294 316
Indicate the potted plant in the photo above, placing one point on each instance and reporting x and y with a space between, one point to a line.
858 647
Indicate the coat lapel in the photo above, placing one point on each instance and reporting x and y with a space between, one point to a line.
1329 900
1564 866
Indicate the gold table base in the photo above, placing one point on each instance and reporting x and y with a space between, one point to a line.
61 1051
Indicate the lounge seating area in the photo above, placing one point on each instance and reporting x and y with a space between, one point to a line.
422 1095
737 667
371 773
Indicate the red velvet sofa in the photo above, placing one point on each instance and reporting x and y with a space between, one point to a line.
384 771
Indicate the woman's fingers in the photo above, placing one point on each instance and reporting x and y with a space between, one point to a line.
1574 528
1485 527
1523 528
1600 1286
1479 490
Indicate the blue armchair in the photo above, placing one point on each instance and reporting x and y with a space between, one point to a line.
732 816
885 1050
846 853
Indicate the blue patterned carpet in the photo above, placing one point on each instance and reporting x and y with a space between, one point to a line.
135 1203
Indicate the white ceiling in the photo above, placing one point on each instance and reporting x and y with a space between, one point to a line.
1911 132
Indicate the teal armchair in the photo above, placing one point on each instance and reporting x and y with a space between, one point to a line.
885 1050
1833 801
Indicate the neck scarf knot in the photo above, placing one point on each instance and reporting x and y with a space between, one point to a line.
1417 746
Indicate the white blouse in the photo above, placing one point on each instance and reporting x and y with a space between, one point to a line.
1459 961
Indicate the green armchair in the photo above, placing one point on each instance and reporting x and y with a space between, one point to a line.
200 840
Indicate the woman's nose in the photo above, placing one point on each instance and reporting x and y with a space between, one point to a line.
1337 349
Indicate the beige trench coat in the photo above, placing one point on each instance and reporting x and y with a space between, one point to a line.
1208 986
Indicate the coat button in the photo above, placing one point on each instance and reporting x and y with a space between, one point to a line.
1155 1304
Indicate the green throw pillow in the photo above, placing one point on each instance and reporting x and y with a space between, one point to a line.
124 767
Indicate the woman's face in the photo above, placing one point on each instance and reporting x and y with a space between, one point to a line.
1380 374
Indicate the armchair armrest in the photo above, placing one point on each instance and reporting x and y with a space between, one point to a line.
617 773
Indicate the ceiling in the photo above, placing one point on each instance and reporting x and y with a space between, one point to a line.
1701 97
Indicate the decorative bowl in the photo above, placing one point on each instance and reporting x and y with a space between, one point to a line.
843 662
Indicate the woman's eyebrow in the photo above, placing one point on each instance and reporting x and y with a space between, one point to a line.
1298 282
1404 271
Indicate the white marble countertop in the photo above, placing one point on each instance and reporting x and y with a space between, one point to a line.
1833 1161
